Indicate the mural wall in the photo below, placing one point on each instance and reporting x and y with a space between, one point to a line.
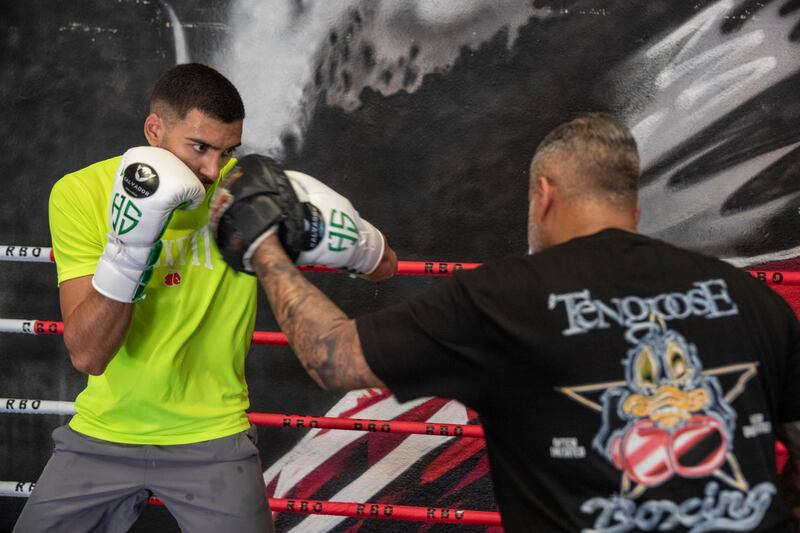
425 113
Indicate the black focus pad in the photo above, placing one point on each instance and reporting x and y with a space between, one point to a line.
269 178
252 198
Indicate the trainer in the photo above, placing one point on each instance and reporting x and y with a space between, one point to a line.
623 383
162 326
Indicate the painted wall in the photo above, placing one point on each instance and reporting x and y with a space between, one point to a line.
425 113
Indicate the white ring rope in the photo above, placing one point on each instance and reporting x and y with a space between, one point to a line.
16 489
31 254
38 407
16 325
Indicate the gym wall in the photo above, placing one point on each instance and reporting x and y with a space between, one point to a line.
425 114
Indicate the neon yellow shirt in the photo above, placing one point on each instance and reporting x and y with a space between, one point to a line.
179 375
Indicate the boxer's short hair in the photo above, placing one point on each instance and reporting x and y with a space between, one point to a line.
600 153
195 86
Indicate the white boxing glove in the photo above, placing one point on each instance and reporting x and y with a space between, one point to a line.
150 184
338 236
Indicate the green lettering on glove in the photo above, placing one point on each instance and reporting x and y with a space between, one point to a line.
345 241
124 210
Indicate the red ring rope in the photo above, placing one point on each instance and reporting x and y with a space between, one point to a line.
358 424
776 277
384 511
41 254
33 406
275 338
45 407
413 268
52 327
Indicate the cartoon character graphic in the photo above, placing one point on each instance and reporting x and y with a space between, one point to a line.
669 417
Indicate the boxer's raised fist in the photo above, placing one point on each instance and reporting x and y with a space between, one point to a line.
149 185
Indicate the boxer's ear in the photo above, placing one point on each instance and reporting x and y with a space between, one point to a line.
154 129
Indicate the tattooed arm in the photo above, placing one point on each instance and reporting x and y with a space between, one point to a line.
323 337
790 477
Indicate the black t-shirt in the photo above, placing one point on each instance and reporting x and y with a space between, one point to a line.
623 384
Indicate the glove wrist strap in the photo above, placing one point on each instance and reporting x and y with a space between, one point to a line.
251 250
123 270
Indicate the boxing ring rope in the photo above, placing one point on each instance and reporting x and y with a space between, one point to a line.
42 254
31 254
385 511
50 407
52 327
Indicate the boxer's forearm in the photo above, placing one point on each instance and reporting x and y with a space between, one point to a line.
94 326
95 332
323 337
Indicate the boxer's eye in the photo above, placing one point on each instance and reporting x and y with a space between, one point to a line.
646 370
200 148
229 152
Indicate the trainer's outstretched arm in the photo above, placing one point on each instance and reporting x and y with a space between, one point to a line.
323 337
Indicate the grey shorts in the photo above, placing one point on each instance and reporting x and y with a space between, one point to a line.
94 485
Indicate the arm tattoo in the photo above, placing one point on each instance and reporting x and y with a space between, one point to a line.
323 337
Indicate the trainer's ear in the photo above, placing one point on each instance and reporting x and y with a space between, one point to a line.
154 129
543 197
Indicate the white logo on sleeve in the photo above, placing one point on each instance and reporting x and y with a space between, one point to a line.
758 426
567 448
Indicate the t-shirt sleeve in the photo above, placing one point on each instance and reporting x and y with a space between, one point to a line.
433 345
77 239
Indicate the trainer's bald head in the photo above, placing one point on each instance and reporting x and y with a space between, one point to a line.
593 157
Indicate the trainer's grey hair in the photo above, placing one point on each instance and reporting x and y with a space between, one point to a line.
598 156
